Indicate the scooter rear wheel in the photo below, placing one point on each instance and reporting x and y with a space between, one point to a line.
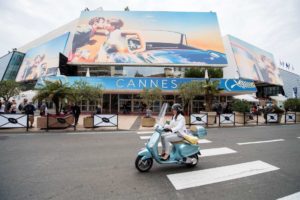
194 162
143 165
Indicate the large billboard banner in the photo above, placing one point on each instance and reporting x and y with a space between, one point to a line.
254 63
42 60
152 38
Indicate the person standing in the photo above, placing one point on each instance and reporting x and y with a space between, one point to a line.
98 109
43 109
29 110
22 106
2 107
76 112
13 108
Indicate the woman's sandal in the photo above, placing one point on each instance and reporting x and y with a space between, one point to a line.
165 157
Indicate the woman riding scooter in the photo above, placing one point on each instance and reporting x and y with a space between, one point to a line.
174 131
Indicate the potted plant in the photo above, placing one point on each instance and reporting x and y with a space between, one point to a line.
149 96
293 105
240 107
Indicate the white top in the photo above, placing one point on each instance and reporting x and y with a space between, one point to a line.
115 38
177 125
2 107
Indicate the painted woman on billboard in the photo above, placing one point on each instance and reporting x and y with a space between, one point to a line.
148 37
254 63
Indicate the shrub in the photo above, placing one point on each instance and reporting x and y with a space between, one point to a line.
241 106
292 105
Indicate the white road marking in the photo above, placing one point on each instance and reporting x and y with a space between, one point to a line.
145 132
216 151
295 196
298 137
258 142
145 137
214 175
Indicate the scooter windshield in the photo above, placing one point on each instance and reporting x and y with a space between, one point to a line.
162 113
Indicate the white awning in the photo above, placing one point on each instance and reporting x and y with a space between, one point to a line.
278 98
246 97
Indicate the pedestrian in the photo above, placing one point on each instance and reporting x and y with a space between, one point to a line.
7 106
22 106
13 108
43 109
2 107
29 110
76 112
98 109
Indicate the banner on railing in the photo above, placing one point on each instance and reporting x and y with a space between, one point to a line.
13 121
198 119
227 119
290 117
272 117
105 120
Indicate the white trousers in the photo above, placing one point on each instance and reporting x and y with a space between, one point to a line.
166 138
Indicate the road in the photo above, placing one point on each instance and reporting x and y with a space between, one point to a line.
100 165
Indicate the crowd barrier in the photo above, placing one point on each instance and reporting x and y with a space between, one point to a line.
14 121
243 119
105 120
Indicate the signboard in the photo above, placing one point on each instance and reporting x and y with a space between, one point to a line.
105 120
42 60
254 63
198 119
139 83
142 37
290 117
13 121
272 117
226 119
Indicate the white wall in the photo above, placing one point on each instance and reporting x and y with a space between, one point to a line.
231 71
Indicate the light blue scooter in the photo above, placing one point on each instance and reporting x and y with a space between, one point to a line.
182 152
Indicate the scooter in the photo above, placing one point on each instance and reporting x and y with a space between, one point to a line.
183 152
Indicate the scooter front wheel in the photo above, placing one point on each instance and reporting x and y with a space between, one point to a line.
194 160
143 165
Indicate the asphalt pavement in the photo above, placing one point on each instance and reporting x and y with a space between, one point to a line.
236 163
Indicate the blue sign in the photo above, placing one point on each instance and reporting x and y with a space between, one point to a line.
139 83
237 85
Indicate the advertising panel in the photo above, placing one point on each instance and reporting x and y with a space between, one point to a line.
42 60
254 63
134 83
139 37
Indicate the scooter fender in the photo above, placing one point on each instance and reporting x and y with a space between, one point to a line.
145 153
186 150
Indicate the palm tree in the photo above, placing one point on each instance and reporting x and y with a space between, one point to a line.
55 91
211 89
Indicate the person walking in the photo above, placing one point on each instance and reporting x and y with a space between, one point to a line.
76 112
2 107
22 106
13 108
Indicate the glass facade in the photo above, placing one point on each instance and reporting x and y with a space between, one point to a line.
13 66
4 61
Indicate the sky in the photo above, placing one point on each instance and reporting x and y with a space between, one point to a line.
273 25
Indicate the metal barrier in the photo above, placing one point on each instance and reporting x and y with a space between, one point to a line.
272 118
105 120
227 119
14 121
199 119
290 117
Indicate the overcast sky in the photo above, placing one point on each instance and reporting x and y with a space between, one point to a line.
273 25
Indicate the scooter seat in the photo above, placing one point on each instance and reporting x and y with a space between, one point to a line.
181 142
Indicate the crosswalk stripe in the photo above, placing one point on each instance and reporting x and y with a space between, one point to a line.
144 132
298 137
295 196
201 141
258 142
220 174
216 151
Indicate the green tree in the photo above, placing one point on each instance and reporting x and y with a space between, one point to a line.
82 90
8 89
211 89
54 91
215 73
149 96
188 91
194 72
